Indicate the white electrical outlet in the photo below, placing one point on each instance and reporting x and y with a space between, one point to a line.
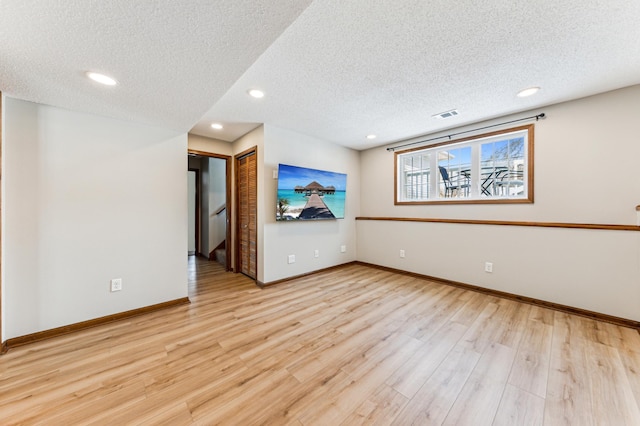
488 267
116 284
402 253
316 253
343 249
292 258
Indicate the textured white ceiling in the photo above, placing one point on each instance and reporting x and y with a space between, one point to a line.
335 70
173 59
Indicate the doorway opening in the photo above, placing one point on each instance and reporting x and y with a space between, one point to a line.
209 180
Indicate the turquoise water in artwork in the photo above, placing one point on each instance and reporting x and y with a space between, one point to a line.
335 202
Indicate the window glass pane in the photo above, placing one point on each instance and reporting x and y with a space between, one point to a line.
502 168
416 173
455 172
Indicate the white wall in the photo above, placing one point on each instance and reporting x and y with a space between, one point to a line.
87 199
277 240
205 180
213 146
302 238
217 198
586 162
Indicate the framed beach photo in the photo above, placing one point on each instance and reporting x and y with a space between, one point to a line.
310 194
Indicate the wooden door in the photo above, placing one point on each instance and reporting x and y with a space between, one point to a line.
247 231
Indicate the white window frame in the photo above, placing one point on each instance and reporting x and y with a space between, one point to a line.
508 179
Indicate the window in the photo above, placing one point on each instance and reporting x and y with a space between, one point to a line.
491 168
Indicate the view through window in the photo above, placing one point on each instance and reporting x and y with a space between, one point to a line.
490 168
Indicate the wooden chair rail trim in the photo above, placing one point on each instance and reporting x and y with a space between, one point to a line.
508 223
66 329
624 322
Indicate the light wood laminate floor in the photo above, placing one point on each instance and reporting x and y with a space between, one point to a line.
350 346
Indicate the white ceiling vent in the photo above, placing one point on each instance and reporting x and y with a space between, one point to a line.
446 114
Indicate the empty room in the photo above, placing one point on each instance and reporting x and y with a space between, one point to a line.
316 212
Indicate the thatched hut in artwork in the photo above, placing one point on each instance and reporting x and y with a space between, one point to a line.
315 188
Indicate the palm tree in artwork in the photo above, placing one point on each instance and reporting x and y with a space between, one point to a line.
283 207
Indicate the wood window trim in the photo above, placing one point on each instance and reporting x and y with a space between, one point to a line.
530 168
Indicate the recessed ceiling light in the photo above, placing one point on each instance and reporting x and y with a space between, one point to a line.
528 92
216 126
256 93
371 136
101 78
